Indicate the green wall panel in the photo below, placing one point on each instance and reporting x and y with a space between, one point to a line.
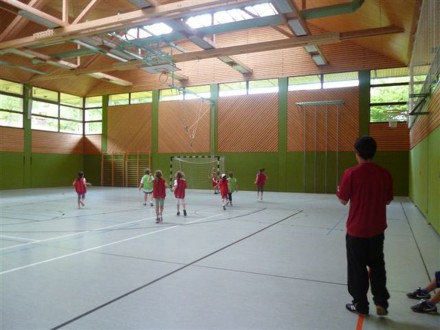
397 164
53 170
434 179
419 176
11 170
92 169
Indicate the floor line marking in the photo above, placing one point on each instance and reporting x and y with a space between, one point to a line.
73 234
92 249
19 238
173 272
360 322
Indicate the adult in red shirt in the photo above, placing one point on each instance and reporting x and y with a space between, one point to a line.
369 188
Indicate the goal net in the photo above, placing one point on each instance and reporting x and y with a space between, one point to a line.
197 169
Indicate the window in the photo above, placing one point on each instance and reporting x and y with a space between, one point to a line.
93 115
304 83
198 92
338 80
389 95
263 86
56 112
119 99
11 104
171 94
141 97
232 89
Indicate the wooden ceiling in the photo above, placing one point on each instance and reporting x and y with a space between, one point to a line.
76 45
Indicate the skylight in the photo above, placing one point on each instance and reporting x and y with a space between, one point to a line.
231 15
146 31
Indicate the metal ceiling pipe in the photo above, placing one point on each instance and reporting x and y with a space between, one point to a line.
345 8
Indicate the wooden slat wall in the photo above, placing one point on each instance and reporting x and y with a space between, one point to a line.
11 139
56 143
334 132
129 128
248 123
184 126
92 144
390 139
425 124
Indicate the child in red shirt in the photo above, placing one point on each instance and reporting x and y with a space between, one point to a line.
260 181
223 185
159 193
80 185
179 191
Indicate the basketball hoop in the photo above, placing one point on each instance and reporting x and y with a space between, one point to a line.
163 77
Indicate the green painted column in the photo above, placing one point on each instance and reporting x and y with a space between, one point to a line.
364 102
155 127
214 119
104 123
282 133
27 154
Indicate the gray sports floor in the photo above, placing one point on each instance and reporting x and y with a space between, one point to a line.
272 264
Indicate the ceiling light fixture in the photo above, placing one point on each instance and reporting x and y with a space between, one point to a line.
319 60
297 27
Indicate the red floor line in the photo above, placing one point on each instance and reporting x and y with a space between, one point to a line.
360 322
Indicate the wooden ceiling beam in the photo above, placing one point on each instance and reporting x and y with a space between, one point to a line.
31 10
122 21
326 38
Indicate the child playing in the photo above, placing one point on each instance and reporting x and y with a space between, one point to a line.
80 185
260 181
233 186
147 186
159 193
214 181
179 191
224 189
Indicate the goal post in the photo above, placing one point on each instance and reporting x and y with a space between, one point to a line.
197 169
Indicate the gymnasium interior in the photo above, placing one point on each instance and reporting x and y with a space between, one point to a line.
112 87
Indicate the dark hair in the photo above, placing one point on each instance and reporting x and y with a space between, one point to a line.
80 175
365 147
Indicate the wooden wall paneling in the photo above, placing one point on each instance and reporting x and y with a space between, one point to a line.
57 143
248 123
390 139
11 139
342 121
92 144
129 128
184 126
425 124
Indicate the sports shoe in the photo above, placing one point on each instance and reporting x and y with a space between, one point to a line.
381 311
157 220
145 203
184 213
178 213
161 219
224 207
151 203
418 294
424 306
352 308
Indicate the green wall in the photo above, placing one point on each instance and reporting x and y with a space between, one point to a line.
424 178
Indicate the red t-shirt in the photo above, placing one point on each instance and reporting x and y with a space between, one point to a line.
223 185
369 188
261 179
159 188
179 189
80 186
